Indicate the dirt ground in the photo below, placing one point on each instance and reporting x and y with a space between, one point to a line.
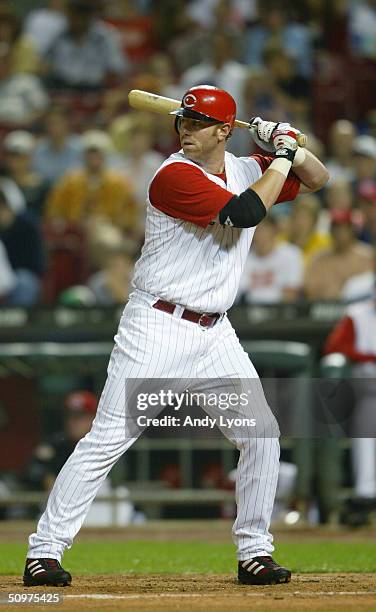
201 592
314 593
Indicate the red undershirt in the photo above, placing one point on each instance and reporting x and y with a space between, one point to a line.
184 192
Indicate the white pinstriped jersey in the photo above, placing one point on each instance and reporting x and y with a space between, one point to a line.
196 267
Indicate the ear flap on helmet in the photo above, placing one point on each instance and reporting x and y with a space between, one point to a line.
177 123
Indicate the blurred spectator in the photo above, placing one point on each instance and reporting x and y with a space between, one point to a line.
222 70
20 235
364 158
111 285
50 456
45 24
338 195
333 23
362 28
259 98
94 191
204 12
135 29
367 205
22 96
166 141
135 133
274 27
371 122
302 227
274 271
161 68
190 43
87 54
8 279
59 150
22 51
342 134
355 337
329 271
291 89
359 287
18 147
172 26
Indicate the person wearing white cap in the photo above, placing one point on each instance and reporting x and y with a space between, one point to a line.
23 98
94 191
18 147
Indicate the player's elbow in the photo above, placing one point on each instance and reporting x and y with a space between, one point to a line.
244 210
319 180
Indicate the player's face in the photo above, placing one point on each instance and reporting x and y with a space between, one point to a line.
200 138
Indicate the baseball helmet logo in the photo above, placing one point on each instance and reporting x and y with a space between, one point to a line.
189 100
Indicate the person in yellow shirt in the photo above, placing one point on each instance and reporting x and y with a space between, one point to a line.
302 228
24 57
95 191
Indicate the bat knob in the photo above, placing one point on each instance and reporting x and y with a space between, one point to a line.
254 121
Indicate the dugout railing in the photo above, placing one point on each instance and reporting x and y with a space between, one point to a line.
53 363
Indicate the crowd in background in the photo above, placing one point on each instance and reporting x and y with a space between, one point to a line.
76 161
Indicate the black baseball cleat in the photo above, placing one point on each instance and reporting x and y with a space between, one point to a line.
262 570
45 572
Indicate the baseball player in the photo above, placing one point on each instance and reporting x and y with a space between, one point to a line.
203 206
355 337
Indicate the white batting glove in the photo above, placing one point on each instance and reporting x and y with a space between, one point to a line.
261 132
285 137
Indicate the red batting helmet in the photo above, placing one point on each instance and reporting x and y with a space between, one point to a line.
207 103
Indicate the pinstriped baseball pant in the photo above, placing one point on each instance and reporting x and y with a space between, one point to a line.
153 344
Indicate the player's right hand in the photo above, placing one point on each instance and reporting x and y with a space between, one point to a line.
264 132
261 132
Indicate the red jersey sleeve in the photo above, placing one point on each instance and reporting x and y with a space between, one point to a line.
291 187
182 191
342 340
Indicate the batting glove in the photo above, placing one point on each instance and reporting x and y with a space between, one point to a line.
285 141
261 132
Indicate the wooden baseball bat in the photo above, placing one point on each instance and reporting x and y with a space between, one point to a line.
146 101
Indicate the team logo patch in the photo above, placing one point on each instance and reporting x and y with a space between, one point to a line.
228 222
189 100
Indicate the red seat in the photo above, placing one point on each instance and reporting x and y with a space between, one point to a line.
67 258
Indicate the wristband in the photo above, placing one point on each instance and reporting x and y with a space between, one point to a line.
281 165
299 158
